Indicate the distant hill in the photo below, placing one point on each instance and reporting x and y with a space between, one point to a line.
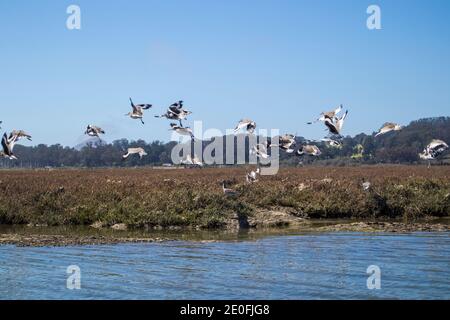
93 142
394 147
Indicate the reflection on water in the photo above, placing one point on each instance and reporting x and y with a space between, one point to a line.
289 266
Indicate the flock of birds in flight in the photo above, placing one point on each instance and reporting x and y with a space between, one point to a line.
333 120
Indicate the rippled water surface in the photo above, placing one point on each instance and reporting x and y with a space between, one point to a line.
302 266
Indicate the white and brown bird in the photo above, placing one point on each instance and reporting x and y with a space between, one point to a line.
247 124
20 134
140 151
310 150
184 131
330 115
335 125
94 131
138 110
388 127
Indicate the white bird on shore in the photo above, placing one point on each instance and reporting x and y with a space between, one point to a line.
252 176
335 126
248 124
388 127
366 185
140 151
330 115
310 150
176 112
187 160
184 131
94 131
285 142
138 110
8 146
196 161
260 150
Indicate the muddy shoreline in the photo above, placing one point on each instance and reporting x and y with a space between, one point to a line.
55 237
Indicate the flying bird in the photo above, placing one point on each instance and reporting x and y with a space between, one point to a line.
260 151
388 127
19 134
140 151
248 124
8 146
330 115
185 131
285 142
310 150
335 125
433 150
94 131
138 110
176 112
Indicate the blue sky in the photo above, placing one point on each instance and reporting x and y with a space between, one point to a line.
277 62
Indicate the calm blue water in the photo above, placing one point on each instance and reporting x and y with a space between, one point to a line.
310 266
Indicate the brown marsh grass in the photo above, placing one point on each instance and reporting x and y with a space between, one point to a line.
146 197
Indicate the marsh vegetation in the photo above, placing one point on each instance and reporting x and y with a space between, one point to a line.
150 198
